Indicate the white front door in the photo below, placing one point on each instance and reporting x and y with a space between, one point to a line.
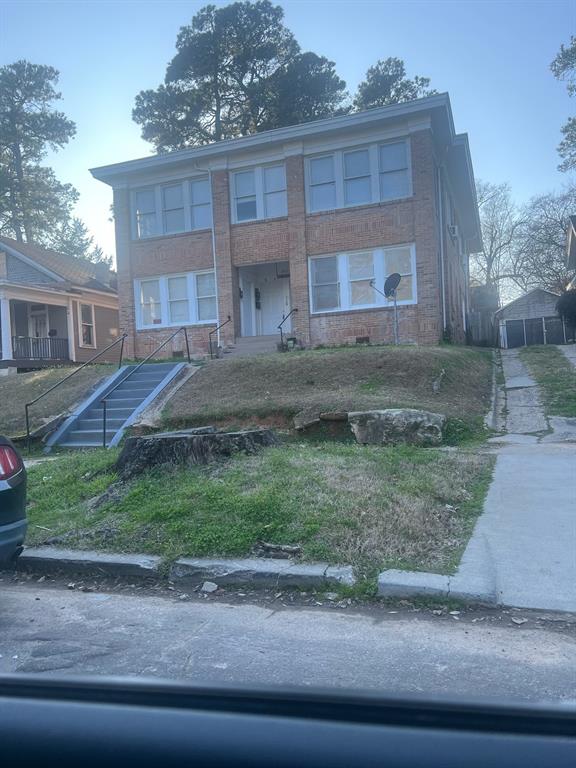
274 305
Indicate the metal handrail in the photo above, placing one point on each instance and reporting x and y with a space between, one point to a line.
294 309
133 371
54 386
215 330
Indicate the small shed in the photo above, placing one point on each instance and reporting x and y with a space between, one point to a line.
531 319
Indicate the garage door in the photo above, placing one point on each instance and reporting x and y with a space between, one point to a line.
514 333
554 330
534 331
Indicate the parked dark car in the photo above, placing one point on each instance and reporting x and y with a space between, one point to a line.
12 501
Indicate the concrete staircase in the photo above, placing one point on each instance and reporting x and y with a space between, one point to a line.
247 346
84 428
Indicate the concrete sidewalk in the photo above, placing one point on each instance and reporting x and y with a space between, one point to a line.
525 540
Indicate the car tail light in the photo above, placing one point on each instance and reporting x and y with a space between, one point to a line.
10 462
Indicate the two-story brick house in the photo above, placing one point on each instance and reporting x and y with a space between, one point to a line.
301 217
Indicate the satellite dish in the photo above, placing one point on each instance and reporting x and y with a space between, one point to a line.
392 282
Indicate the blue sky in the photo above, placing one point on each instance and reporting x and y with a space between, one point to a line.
492 57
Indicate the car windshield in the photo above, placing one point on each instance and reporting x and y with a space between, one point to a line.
288 344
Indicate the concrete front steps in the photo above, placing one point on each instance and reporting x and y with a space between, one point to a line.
132 394
247 346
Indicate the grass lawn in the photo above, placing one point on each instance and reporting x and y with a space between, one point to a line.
273 388
555 376
371 507
16 390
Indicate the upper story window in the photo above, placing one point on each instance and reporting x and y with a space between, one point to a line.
359 176
341 281
168 209
259 193
176 300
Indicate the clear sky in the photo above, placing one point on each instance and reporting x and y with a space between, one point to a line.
492 56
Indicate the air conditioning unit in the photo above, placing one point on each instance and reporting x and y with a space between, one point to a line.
453 229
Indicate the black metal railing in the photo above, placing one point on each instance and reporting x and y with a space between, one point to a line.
45 348
215 330
133 371
119 340
280 328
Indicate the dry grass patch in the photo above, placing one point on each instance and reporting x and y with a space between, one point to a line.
348 379
16 390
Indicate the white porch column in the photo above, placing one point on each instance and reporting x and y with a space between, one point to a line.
6 325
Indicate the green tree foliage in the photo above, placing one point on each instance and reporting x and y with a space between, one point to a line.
31 198
72 238
564 68
386 83
237 70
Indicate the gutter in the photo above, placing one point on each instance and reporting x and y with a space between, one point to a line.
209 172
441 233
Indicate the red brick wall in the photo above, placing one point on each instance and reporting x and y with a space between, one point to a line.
293 239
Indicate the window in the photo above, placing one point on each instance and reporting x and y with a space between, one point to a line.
359 176
357 179
259 193
394 173
322 183
173 209
245 195
176 300
150 302
325 285
201 209
87 337
145 209
206 296
342 282
169 209
360 273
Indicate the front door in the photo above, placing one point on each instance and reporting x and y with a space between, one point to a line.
38 330
273 298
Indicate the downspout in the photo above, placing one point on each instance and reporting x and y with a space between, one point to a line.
441 218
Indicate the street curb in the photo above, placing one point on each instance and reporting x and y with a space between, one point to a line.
260 572
187 572
408 584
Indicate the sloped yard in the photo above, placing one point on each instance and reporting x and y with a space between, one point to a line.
371 507
16 390
270 388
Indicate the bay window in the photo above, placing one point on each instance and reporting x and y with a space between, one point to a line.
259 193
358 176
173 300
342 281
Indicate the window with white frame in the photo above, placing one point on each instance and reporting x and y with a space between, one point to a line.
259 193
171 300
342 281
145 212
200 204
168 209
359 176
86 317
173 209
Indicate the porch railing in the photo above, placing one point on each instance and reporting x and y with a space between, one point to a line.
280 328
32 348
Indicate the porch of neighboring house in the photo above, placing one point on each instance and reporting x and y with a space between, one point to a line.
33 334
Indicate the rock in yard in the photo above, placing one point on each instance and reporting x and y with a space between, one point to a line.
397 425
209 586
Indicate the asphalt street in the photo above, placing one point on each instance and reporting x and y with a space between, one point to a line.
48 628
